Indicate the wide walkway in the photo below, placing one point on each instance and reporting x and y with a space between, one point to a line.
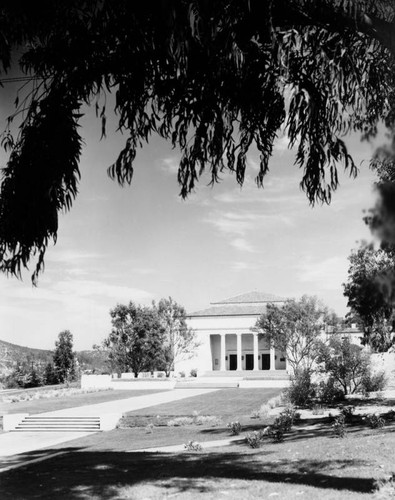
13 443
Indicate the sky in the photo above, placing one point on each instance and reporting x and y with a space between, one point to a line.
141 243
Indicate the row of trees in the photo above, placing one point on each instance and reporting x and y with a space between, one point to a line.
148 338
63 368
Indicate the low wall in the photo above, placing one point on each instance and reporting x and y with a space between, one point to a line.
95 381
264 383
142 385
11 421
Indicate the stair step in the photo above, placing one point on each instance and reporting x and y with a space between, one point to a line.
59 423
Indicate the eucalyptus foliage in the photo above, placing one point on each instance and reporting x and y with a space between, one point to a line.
211 77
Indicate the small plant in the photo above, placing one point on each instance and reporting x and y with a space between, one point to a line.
149 429
182 374
254 439
193 446
207 420
339 426
347 412
180 421
235 428
374 421
274 402
193 372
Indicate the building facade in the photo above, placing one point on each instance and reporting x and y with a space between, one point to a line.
227 342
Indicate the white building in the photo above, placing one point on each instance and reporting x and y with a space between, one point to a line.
227 342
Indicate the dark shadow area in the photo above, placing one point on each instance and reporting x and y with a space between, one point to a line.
84 474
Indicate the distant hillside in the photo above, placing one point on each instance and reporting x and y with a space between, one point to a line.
10 354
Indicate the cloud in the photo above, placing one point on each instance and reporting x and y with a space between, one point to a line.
170 165
326 274
242 244
242 266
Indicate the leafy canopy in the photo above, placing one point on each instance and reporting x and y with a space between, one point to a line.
213 78
295 328
370 293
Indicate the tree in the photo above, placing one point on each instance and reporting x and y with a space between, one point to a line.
50 375
136 339
370 295
295 329
64 358
345 362
179 341
213 78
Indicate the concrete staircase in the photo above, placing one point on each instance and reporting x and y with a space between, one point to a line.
37 423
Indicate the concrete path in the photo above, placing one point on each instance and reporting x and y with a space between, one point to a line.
16 443
130 404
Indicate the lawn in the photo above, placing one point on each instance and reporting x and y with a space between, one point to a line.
60 403
226 403
309 464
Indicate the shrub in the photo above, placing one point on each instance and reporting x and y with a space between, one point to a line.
302 390
193 372
149 429
373 382
235 428
328 392
282 424
254 439
207 420
179 421
339 426
193 446
374 421
255 414
275 402
264 411
347 412
182 374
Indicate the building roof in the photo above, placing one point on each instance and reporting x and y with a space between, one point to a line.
251 297
231 310
246 304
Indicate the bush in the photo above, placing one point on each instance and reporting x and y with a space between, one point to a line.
375 421
235 428
347 412
329 393
282 424
254 439
302 390
339 426
193 446
179 421
193 372
373 382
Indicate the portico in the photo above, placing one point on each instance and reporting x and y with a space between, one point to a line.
244 352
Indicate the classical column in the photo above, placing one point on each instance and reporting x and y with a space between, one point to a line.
223 353
256 361
239 362
272 358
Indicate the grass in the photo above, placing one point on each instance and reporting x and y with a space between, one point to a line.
226 403
309 464
75 400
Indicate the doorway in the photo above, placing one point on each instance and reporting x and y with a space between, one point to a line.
249 361
232 361
265 361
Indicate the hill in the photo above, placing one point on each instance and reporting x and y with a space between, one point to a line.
11 354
